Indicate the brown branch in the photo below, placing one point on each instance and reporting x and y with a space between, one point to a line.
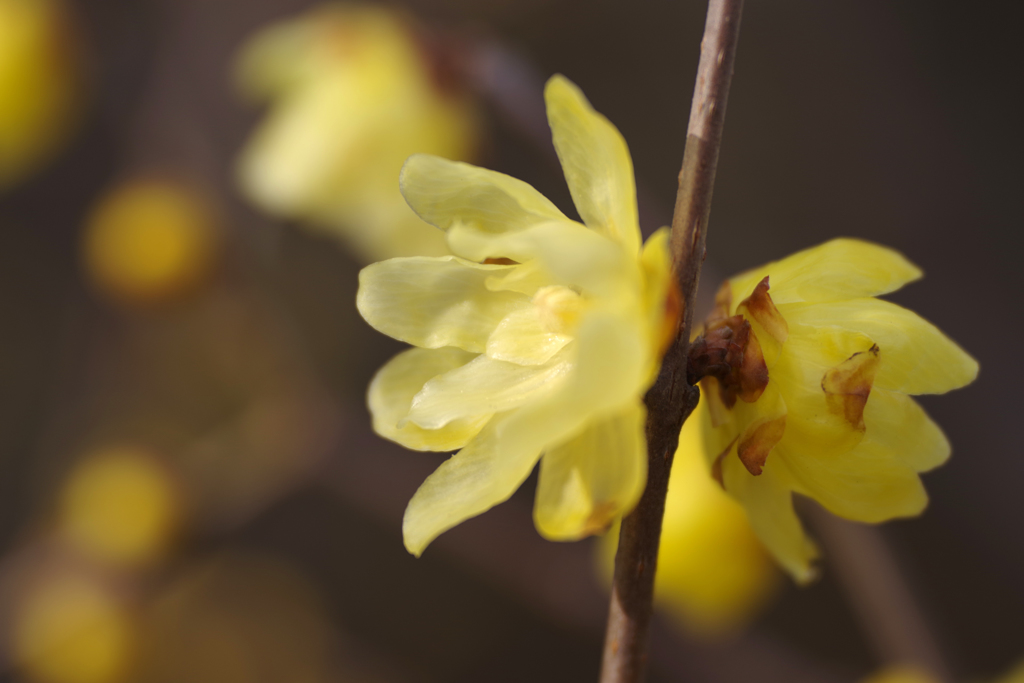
671 400
878 593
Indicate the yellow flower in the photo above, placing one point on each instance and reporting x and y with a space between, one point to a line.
39 82
810 390
540 335
713 573
352 97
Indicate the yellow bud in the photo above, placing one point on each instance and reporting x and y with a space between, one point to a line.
69 630
149 241
713 576
120 506
39 82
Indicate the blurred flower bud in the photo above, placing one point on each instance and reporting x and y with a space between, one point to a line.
120 506
149 241
69 629
39 84
353 94
713 574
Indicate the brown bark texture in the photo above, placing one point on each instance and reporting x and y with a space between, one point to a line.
671 400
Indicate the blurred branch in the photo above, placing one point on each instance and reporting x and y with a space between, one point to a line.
671 400
879 594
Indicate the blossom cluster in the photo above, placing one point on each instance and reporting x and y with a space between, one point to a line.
539 335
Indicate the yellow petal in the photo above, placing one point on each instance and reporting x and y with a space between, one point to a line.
570 253
856 485
713 573
608 377
446 192
899 429
484 386
594 477
521 337
813 424
836 270
663 313
288 166
391 392
434 302
769 505
596 163
269 63
916 357
525 278
484 473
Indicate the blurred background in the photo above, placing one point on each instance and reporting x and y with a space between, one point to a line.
189 486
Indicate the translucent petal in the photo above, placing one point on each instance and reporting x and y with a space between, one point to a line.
593 478
916 357
482 387
656 263
484 473
596 163
900 430
525 278
569 252
607 379
288 167
857 485
393 387
711 568
434 302
523 338
769 504
268 63
446 192
812 424
836 270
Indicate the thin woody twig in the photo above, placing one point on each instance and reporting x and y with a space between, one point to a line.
671 400
878 594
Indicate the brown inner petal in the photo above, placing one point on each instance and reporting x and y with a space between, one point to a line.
760 307
729 352
848 385
758 442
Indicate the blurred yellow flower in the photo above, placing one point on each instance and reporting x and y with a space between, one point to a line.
900 674
69 629
539 336
713 573
811 392
120 506
243 618
149 241
39 84
1014 675
352 96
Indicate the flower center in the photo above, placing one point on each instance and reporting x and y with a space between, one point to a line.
558 308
